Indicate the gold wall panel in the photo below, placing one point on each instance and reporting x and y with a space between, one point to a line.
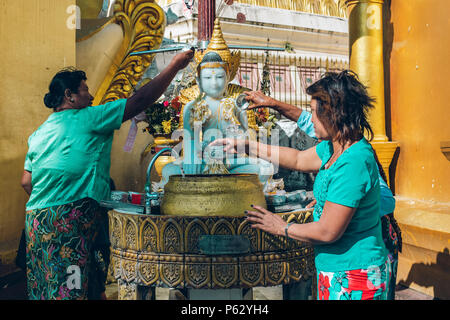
224 272
148 270
172 236
149 236
251 271
275 268
198 271
194 230
37 41
171 270
127 291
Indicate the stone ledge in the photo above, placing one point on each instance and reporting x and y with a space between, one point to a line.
430 215
424 261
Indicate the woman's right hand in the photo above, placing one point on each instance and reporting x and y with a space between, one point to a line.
259 100
231 145
148 94
182 59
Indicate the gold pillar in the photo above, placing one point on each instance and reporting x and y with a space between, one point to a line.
365 22
366 55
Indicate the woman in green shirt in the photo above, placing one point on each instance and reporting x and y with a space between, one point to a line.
350 256
67 174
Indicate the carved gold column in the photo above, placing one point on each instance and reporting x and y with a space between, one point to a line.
445 149
365 21
143 23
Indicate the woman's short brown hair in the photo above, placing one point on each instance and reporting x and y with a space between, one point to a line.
342 105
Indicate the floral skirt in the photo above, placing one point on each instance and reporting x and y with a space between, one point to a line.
393 241
59 255
361 284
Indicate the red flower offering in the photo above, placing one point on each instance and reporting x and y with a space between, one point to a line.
175 103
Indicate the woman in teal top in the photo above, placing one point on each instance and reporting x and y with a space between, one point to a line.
67 174
391 232
351 258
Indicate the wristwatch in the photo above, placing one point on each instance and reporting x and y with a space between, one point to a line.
286 229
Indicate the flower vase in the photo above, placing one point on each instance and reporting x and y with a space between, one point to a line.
161 142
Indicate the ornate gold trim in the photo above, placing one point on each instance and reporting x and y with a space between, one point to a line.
233 91
143 23
218 45
178 263
353 2
385 152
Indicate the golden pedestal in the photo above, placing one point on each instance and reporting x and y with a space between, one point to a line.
163 251
385 152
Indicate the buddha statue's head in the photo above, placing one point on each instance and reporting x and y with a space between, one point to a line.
229 60
212 75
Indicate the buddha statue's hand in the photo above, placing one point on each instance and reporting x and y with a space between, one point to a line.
215 153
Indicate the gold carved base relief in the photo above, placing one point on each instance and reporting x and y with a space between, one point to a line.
163 251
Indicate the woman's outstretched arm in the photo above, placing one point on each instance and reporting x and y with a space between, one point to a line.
289 158
149 93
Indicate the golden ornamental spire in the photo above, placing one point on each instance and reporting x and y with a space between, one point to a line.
217 44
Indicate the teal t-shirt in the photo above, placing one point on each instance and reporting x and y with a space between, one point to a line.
69 155
352 181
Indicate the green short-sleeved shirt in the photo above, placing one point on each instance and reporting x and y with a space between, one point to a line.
69 155
352 181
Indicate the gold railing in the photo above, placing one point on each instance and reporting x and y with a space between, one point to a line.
289 75
323 7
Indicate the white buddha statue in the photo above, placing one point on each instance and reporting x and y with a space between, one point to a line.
212 115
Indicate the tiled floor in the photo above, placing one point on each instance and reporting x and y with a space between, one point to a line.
275 293
12 287
404 293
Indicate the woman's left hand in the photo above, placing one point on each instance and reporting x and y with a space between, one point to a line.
266 221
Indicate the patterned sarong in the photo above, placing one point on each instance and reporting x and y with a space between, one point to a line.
393 241
59 250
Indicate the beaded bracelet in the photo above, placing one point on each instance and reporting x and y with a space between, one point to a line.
286 229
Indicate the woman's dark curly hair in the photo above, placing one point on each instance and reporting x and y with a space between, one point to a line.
342 105
68 78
